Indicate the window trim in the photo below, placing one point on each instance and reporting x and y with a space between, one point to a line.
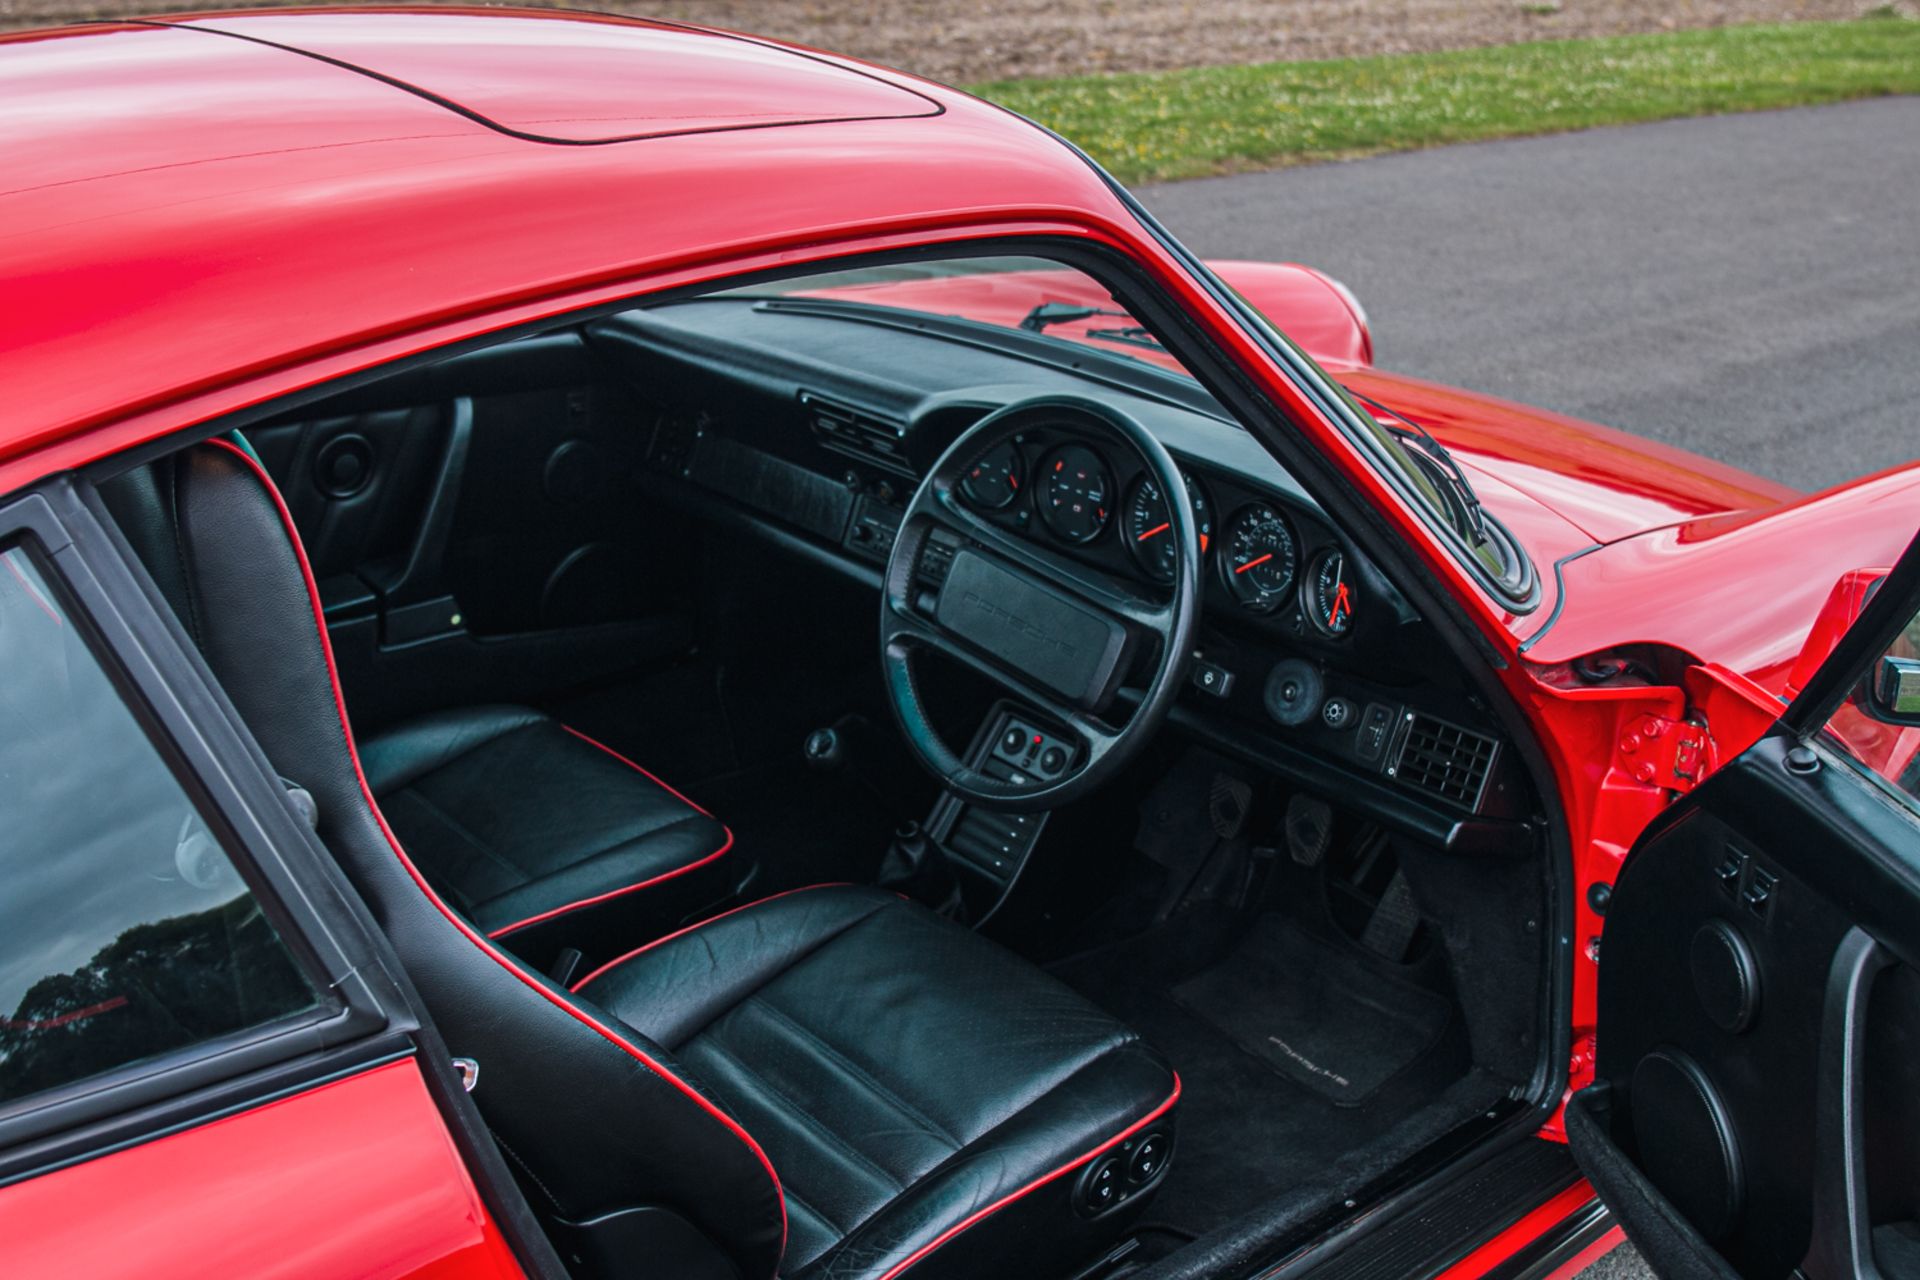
188 726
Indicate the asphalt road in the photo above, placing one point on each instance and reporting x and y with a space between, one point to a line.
1747 287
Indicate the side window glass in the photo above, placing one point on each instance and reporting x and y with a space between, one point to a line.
125 930
1879 725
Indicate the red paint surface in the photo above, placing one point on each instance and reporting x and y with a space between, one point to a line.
1524 1232
355 1178
590 79
1740 591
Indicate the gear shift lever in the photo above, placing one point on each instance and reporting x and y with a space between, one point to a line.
916 866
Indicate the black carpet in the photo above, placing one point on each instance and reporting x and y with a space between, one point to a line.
1247 1131
1317 1011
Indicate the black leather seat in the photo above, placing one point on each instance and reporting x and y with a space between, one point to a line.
538 834
833 1083
897 1070
519 820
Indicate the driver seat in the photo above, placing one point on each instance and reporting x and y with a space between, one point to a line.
830 1083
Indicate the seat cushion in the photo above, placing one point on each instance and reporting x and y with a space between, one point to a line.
922 1092
521 822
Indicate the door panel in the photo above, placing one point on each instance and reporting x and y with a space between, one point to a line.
1715 997
353 1178
1755 1110
473 530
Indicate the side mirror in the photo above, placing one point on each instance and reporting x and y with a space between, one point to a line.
1893 695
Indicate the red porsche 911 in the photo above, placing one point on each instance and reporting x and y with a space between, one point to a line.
629 651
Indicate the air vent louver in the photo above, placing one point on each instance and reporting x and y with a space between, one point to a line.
858 434
1444 759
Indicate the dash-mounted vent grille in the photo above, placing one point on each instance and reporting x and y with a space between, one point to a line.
1444 759
856 433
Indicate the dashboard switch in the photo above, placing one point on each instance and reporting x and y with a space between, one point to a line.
1376 726
1336 713
1211 677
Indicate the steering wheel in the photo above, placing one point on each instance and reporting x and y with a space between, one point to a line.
1056 635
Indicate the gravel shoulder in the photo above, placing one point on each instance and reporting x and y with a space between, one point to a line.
1016 39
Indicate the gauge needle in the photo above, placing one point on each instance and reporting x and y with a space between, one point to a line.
1159 528
1341 604
1254 564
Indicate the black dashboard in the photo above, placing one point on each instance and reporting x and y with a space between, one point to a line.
816 420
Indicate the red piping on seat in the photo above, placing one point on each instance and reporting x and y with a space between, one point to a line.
353 753
698 924
1037 1183
695 865
647 773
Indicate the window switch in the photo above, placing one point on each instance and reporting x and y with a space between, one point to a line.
1758 895
1732 866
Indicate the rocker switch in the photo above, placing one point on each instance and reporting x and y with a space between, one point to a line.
1732 867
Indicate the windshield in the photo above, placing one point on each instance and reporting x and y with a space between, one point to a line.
1027 294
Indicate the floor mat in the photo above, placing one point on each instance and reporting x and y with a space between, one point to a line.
1247 1133
1316 1011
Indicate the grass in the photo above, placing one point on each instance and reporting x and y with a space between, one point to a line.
1158 126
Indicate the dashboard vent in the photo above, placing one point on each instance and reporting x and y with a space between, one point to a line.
856 433
1444 759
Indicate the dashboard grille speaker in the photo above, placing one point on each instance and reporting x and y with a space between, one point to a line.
1444 759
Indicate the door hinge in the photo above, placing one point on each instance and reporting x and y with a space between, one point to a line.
1674 754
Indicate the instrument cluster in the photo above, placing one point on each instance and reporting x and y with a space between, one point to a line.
1270 559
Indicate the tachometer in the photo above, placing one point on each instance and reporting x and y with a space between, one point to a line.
1328 596
1075 494
1259 562
1149 526
994 480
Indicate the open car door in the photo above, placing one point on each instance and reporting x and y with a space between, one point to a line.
1756 1110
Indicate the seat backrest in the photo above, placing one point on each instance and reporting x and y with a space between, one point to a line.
596 1118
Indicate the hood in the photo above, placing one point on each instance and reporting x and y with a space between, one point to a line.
1742 591
1604 484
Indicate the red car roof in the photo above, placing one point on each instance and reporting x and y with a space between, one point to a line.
182 208
587 79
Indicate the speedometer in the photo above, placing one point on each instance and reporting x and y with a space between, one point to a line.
1076 493
1259 562
1149 526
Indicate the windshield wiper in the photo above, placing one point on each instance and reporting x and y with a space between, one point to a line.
1133 336
1410 432
1051 313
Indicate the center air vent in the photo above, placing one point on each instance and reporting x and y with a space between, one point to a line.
856 433
1444 759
